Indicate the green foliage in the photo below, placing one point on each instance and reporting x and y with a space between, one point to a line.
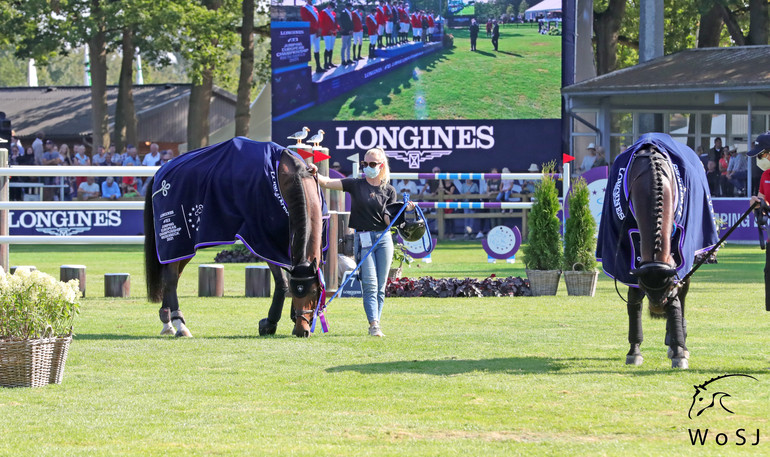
401 255
30 303
580 230
544 251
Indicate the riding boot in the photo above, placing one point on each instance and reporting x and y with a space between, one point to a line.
318 68
357 57
330 59
371 51
379 41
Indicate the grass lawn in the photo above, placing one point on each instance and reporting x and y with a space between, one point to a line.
520 81
474 377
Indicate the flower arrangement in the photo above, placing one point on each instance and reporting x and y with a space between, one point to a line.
36 305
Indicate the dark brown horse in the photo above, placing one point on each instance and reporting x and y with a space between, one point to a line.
300 192
652 194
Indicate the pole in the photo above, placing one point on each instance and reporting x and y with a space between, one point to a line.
4 229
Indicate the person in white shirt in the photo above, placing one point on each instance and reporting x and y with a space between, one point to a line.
153 157
588 161
88 190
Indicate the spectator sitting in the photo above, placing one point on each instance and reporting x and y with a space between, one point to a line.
100 158
712 176
88 190
129 187
600 161
406 186
116 158
737 171
110 189
131 157
152 158
588 161
336 167
166 156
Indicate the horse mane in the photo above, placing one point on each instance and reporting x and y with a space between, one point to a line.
657 161
292 179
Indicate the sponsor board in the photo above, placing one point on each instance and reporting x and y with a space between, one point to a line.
76 222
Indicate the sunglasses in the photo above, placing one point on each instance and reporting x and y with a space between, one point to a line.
763 154
371 164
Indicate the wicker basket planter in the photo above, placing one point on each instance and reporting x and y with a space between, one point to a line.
61 347
581 282
26 363
543 282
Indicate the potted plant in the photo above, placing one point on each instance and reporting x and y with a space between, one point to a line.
580 271
400 255
543 253
36 318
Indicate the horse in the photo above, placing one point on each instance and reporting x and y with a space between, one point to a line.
289 207
654 223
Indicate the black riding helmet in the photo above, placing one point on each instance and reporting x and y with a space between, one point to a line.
409 225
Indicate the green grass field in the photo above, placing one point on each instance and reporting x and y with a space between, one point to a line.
473 377
521 81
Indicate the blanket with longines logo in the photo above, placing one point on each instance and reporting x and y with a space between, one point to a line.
220 193
694 227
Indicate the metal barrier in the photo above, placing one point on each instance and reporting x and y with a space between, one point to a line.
143 171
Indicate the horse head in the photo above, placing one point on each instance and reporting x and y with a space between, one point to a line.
301 193
652 193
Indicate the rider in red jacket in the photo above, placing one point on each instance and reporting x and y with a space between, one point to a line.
329 27
371 29
382 18
309 13
358 31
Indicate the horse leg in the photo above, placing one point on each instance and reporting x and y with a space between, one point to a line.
170 308
682 294
675 331
269 325
635 336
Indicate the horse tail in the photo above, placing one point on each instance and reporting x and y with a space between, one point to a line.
152 265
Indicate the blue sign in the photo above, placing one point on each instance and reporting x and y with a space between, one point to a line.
290 43
76 222
452 145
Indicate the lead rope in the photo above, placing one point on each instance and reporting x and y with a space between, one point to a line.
321 307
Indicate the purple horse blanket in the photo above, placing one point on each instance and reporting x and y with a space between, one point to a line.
694 228
220 193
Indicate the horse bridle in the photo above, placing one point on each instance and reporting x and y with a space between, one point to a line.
301 279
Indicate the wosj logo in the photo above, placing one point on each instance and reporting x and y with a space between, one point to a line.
415 145
63 223
712 399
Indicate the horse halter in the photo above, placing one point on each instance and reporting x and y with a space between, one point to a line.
301 280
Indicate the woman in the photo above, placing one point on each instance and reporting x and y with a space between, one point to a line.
369 197
68 182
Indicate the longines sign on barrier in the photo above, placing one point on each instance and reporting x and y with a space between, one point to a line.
76 222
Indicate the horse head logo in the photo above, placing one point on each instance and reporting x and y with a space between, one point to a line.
717 395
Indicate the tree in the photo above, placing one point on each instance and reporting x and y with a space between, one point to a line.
607 23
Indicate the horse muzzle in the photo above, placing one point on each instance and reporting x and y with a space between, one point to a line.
656 279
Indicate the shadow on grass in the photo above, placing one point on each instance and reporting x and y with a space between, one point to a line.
444 367
113 336
486 54
510 53
519 366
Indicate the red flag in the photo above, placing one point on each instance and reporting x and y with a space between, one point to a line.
304 153
319 156
566 158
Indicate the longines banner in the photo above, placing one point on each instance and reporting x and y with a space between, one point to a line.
76 222
453 146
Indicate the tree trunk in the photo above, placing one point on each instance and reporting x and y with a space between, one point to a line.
759 23
97 51
606 30
710 28
242 104
733 28
125 112
198 115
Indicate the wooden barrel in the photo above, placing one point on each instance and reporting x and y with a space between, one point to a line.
117 285
258 279
68 272
211 280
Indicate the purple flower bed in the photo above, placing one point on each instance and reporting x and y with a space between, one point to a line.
455 287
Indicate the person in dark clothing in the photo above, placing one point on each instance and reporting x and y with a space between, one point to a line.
495 34
761 151
474 33
369 198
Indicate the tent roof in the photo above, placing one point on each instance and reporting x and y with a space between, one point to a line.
545 5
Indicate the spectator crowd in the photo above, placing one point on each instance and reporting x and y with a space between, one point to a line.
47 152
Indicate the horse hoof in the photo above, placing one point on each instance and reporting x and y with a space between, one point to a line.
183 333
267 328
168 329
634 360
670 354
680 363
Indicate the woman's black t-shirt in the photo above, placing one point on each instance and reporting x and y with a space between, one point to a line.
367 204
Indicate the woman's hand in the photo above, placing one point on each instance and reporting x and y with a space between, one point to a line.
312 168
410 206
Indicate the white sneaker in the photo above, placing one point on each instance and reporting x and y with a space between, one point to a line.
374 329
479 235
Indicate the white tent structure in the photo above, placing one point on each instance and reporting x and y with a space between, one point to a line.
542 9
